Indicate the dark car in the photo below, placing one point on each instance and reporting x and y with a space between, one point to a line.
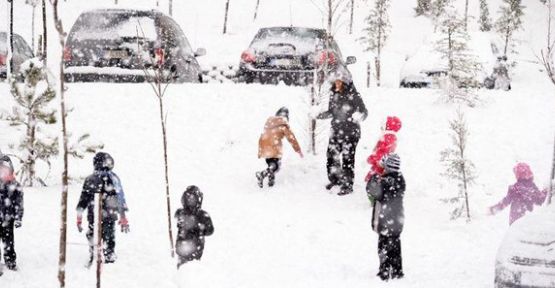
117 45
526 257
21 53
291 55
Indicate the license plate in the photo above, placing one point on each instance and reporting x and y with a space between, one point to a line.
283 62
116 54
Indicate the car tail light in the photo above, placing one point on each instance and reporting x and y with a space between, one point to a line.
327 57
159 56
248 57
3 59
67 54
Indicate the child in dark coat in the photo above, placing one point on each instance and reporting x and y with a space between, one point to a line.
11 211
388 216
193 224
103 181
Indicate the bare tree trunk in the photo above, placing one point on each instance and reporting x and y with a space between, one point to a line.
352 17
377 62
10 41
256 9
368 73
99 247
507 35
171 7
330 17
466 15
33 30
63 224
44 33
552 179
225 16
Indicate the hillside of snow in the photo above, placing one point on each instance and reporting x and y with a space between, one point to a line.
295 234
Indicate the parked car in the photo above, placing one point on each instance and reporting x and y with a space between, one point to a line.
116 45
526 257
291 54
21 53
426 69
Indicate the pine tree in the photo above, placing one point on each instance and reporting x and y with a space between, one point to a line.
423 7
484 20
438 8
33 112
510 21
458 166
462 67
376 32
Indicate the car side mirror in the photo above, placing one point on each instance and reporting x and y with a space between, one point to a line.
351 60
200 52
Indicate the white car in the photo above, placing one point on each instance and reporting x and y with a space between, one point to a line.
526 257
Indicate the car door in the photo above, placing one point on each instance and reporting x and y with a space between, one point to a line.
180 54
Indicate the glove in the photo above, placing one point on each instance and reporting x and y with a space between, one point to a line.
357 117
79 223
124 225
17 223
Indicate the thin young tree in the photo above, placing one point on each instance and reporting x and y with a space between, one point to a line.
33 4
63 223
159 79
226 16
458 166
170 8
33 111
462 66
510 21
466 15
547 53
376 33
10 65
352 17
44 34
423 7
256 9
485 20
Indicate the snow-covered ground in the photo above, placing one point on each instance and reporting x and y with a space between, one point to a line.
296 234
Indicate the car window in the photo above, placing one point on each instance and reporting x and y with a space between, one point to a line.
174 36
303 40
111 25
3 42
22 46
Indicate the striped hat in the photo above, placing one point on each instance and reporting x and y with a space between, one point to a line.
391 162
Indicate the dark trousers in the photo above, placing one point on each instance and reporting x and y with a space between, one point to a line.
6 235
108 236
389 252
274 164
341 157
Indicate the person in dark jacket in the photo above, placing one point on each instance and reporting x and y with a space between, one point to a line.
346 109
105 182
11 210
388 216
193 224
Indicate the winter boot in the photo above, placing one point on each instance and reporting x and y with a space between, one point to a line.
260 177
110 258
397 275
345 191
271 179
384 275
330 185
12 266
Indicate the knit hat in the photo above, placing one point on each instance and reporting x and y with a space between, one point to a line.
523 172
283 112
391 162
393 123
102 161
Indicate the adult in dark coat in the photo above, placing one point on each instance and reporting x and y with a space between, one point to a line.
346 109
193 224
105 181
388 216
11 210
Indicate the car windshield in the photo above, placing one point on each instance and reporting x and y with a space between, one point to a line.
301 40
113 25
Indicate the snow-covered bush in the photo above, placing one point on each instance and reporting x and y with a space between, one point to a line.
458 166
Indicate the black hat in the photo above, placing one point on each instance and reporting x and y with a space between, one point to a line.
6 161
283 112
192 198
102 161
